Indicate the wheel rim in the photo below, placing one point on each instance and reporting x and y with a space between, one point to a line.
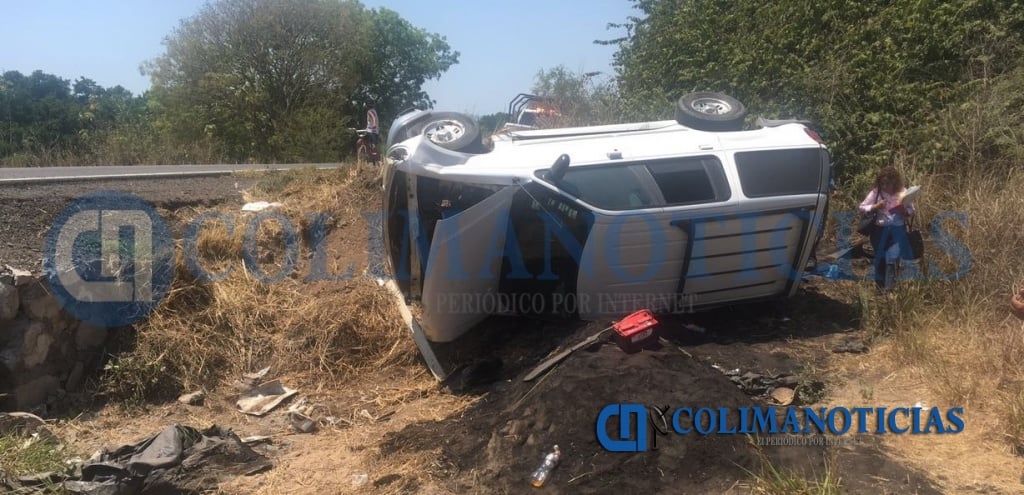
444 131
711 106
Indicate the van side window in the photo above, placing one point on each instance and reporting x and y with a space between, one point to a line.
690 180
780 172
609 188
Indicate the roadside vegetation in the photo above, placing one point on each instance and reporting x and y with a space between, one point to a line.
22 455
218 96
316 333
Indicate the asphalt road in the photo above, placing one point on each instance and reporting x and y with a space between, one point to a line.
57 174
28 208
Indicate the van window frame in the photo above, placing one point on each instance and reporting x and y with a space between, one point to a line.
712 166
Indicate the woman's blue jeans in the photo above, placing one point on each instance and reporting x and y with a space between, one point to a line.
887 242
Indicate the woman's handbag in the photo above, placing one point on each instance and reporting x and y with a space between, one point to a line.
867 224
915 240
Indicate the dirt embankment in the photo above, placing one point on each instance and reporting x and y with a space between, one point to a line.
494 445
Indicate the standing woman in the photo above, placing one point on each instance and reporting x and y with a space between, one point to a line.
889 232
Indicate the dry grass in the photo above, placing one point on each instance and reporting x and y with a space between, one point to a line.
317 333
952 341
26 455
771 480
957 335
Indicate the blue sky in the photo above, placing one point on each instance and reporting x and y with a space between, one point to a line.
502 43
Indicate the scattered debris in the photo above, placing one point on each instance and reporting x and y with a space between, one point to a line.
264 398
360 479
851 346
249 381
259 206
193 399
302 423
544 471
760 385
179 459
256 439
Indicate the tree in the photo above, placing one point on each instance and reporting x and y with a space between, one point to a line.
402 58
38 112
281 79
877 75
239 72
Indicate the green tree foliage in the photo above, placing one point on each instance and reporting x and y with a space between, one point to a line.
876 75
38 113
400 60
44 117
581 98
282 79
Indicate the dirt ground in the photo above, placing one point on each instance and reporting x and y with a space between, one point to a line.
400 431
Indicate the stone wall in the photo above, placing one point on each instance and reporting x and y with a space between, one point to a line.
44 352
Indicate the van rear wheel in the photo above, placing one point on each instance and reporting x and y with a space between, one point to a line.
710 112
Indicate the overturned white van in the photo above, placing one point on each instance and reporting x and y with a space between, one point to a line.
596 222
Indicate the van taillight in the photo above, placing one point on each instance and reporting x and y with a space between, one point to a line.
814 135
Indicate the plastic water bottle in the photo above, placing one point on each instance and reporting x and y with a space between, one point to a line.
544 471
833 272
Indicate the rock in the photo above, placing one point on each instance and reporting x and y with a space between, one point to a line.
783 396
21 277
517 428
35 392
38 303
89 336
13 333
192 399
9 302
19 423
75 378
36 345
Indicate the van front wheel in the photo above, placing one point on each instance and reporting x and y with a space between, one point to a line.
450 130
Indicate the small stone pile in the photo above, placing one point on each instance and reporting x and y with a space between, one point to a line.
44 352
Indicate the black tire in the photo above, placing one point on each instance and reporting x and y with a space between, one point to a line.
363 154
710 112
449 130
